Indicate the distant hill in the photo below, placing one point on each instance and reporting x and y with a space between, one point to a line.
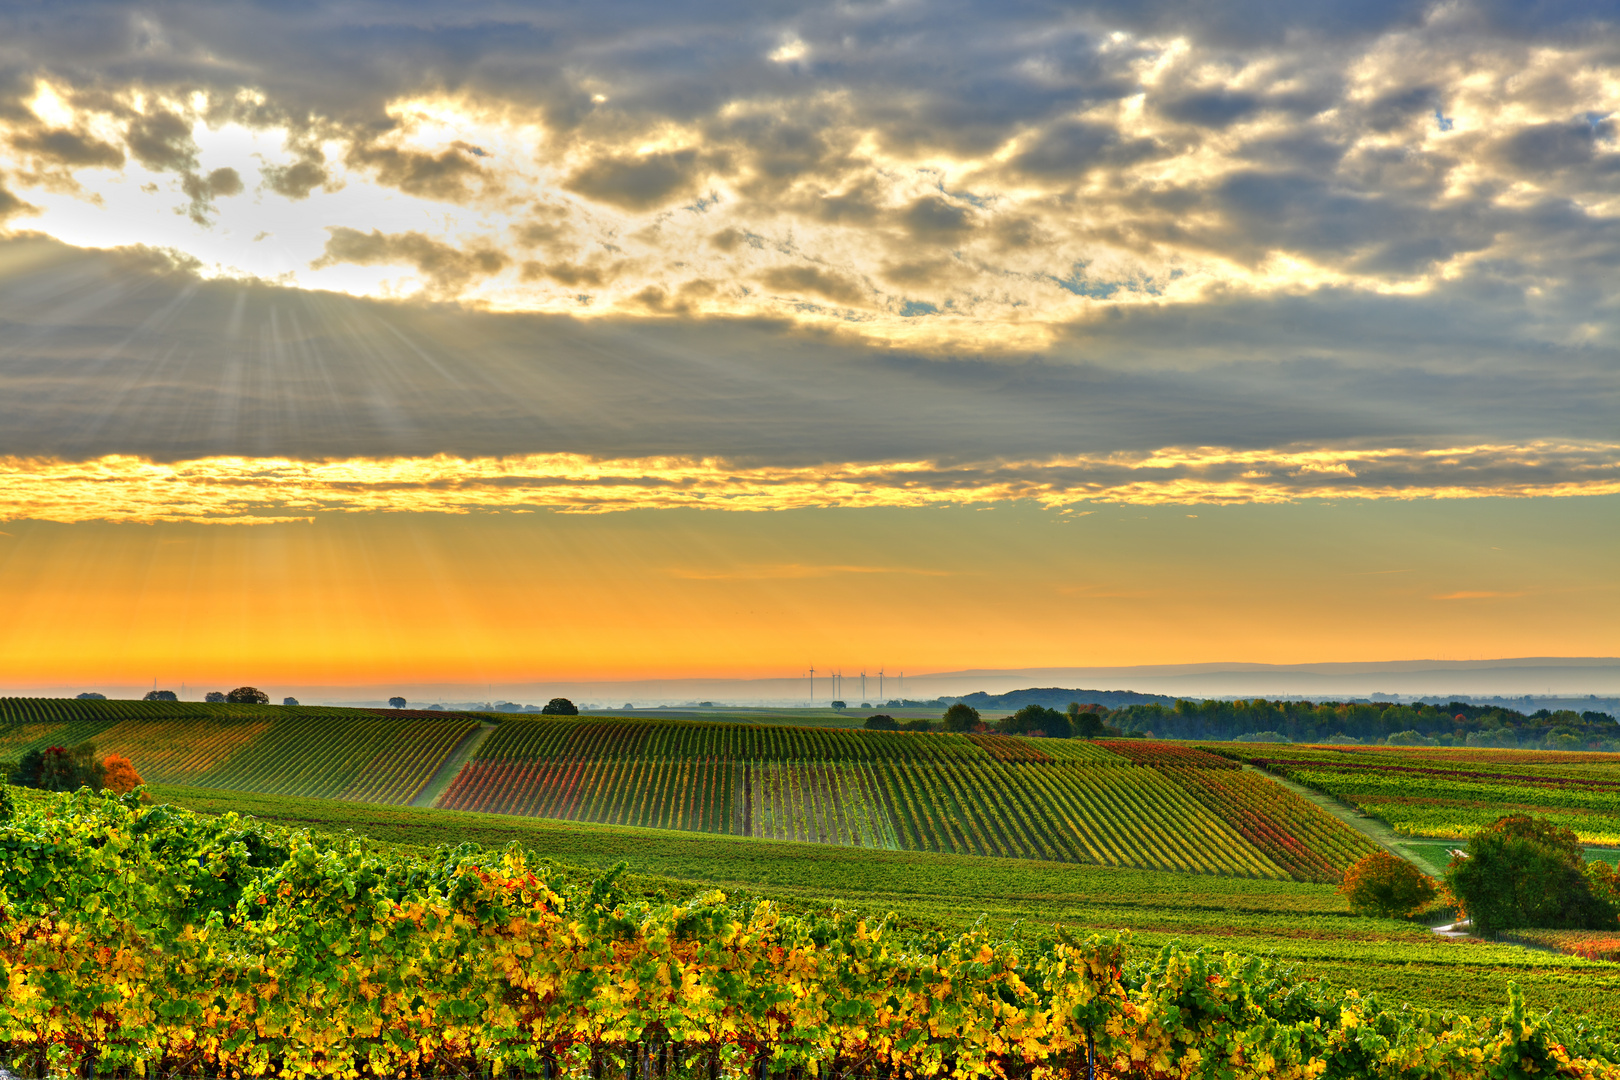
1055 697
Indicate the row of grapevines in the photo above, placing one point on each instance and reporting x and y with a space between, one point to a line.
367 759
691 795
819 803
149 941
675 740
1310 843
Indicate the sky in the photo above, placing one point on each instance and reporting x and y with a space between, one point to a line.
457 345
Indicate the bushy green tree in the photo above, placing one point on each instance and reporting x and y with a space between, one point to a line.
881 722
839 706
1525 871
1086 721
215 697
1035 720
916 725
961 717
560 706
248 695
161 695
397 703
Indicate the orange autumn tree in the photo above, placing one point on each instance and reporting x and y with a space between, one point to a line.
121 777
1381 884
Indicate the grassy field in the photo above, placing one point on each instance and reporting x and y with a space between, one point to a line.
1300 922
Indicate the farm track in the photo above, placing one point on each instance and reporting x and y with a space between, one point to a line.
442 777
1375 830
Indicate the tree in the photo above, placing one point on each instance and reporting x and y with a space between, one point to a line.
881 722
1525 871
119 776
59 769
397 703
248 695
961 717
916 725
559 706
215 697
289 701
161 695
92 696
839 706
1035 720
1086 721
1381 884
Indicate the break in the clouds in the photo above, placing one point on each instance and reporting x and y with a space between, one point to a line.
890 252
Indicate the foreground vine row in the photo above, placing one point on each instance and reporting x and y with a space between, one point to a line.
146 938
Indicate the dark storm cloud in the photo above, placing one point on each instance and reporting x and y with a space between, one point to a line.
73 148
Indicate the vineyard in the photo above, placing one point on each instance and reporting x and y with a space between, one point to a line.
271 951
1126 803
358 754
1455 793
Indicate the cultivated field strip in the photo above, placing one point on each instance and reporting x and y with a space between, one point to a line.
1130 803
365 759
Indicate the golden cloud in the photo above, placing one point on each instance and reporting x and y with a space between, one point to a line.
239 490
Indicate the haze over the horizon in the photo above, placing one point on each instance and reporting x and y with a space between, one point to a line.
348 344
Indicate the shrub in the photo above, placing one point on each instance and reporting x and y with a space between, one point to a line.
961 717
248 695
8 808
1524 871
119 776
881 722
1382 884
916 725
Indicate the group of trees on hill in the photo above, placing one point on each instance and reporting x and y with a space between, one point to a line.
1454 724
62 769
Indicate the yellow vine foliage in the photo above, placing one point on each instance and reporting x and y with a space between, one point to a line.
158 941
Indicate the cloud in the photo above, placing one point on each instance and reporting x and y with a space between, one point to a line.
816 282
637 182
446 268
297 180
71 148
244 490
450 175
162 141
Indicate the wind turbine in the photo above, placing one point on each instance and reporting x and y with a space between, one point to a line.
812 684
863 684
880 682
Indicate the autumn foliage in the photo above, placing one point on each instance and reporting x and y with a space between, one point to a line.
1382 884
120 777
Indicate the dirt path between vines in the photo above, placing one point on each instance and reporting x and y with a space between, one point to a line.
439 782
1370 827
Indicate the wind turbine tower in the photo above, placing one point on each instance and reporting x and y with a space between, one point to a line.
812 684
880 682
